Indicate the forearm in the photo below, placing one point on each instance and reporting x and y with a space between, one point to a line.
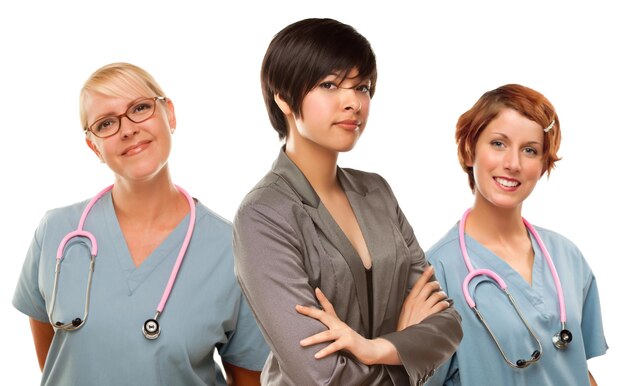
425 346
385 353
238 376
42 337
592 381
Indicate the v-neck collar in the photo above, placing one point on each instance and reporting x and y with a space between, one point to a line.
375 240
166 251
482 257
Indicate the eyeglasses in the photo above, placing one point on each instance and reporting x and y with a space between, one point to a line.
140 111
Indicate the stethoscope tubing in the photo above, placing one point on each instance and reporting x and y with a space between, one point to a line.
476 272
80 232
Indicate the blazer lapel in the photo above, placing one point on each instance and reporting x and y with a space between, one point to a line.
371 214
289 172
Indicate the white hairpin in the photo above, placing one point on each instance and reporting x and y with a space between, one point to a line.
550 126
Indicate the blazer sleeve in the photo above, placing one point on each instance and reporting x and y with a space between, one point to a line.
270 267
425 346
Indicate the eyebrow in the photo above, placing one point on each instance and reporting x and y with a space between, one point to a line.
507 137
113 114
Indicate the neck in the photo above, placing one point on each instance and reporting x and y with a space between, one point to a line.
319 165
488 223
146 201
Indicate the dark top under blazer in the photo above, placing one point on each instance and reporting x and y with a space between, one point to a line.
286 244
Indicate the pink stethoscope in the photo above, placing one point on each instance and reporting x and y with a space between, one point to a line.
561 339
151 328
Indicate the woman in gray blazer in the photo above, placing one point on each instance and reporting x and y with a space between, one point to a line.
312 234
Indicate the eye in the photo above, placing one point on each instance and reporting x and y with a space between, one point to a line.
141 108
328 85
497 144
364 88
530 151
105 124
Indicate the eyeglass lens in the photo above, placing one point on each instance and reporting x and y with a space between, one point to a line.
137 113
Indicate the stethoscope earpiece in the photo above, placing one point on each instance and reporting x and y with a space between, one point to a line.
151 329
562 339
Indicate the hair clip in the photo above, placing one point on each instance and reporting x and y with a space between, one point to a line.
550 126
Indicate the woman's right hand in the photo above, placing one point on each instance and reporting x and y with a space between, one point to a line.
426 298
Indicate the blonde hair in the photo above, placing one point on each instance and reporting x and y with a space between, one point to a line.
118 80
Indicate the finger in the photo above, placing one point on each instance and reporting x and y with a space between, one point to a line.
435 298
324 302
324 336
442 305
428 289
315 313
330 349
421 282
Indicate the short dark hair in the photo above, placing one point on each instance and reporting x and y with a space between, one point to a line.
305 52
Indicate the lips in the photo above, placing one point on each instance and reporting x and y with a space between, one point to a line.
349 124
136 148
507 183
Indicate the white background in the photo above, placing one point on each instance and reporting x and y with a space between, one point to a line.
434 61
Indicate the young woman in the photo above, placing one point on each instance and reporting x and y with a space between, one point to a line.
160 260
551 325
313 233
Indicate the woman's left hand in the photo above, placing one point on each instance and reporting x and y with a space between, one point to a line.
343 337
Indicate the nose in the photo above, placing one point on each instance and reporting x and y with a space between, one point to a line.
512 161
128 128
351 99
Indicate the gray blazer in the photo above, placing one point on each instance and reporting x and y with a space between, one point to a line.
286 244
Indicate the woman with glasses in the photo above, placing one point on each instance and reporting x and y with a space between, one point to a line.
312 234
158 295
551 324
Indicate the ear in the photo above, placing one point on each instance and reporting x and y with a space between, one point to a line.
171 115
282 105
93 148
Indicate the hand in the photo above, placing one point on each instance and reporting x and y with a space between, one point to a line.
343 337
425 299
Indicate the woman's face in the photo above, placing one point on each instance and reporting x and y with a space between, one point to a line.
138 151
334 113
508 160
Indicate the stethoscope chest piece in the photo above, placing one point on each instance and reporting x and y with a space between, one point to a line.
562 339
151 329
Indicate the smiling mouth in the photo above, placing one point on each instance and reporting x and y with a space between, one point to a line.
507 183
135 149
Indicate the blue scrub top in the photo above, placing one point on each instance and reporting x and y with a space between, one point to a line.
205 310
477 360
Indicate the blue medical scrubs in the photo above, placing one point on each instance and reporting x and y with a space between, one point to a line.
205 310
477 360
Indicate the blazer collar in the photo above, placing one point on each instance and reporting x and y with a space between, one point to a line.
289 171
356 192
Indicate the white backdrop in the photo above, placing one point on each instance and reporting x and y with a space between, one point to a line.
434 61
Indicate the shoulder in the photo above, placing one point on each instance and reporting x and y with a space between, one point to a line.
212 219
561 249
62 217
369 180
273 200
271 190
445 252
555 238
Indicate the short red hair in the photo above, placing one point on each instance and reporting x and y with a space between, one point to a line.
526 101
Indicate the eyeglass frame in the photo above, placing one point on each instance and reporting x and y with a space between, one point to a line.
125 114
